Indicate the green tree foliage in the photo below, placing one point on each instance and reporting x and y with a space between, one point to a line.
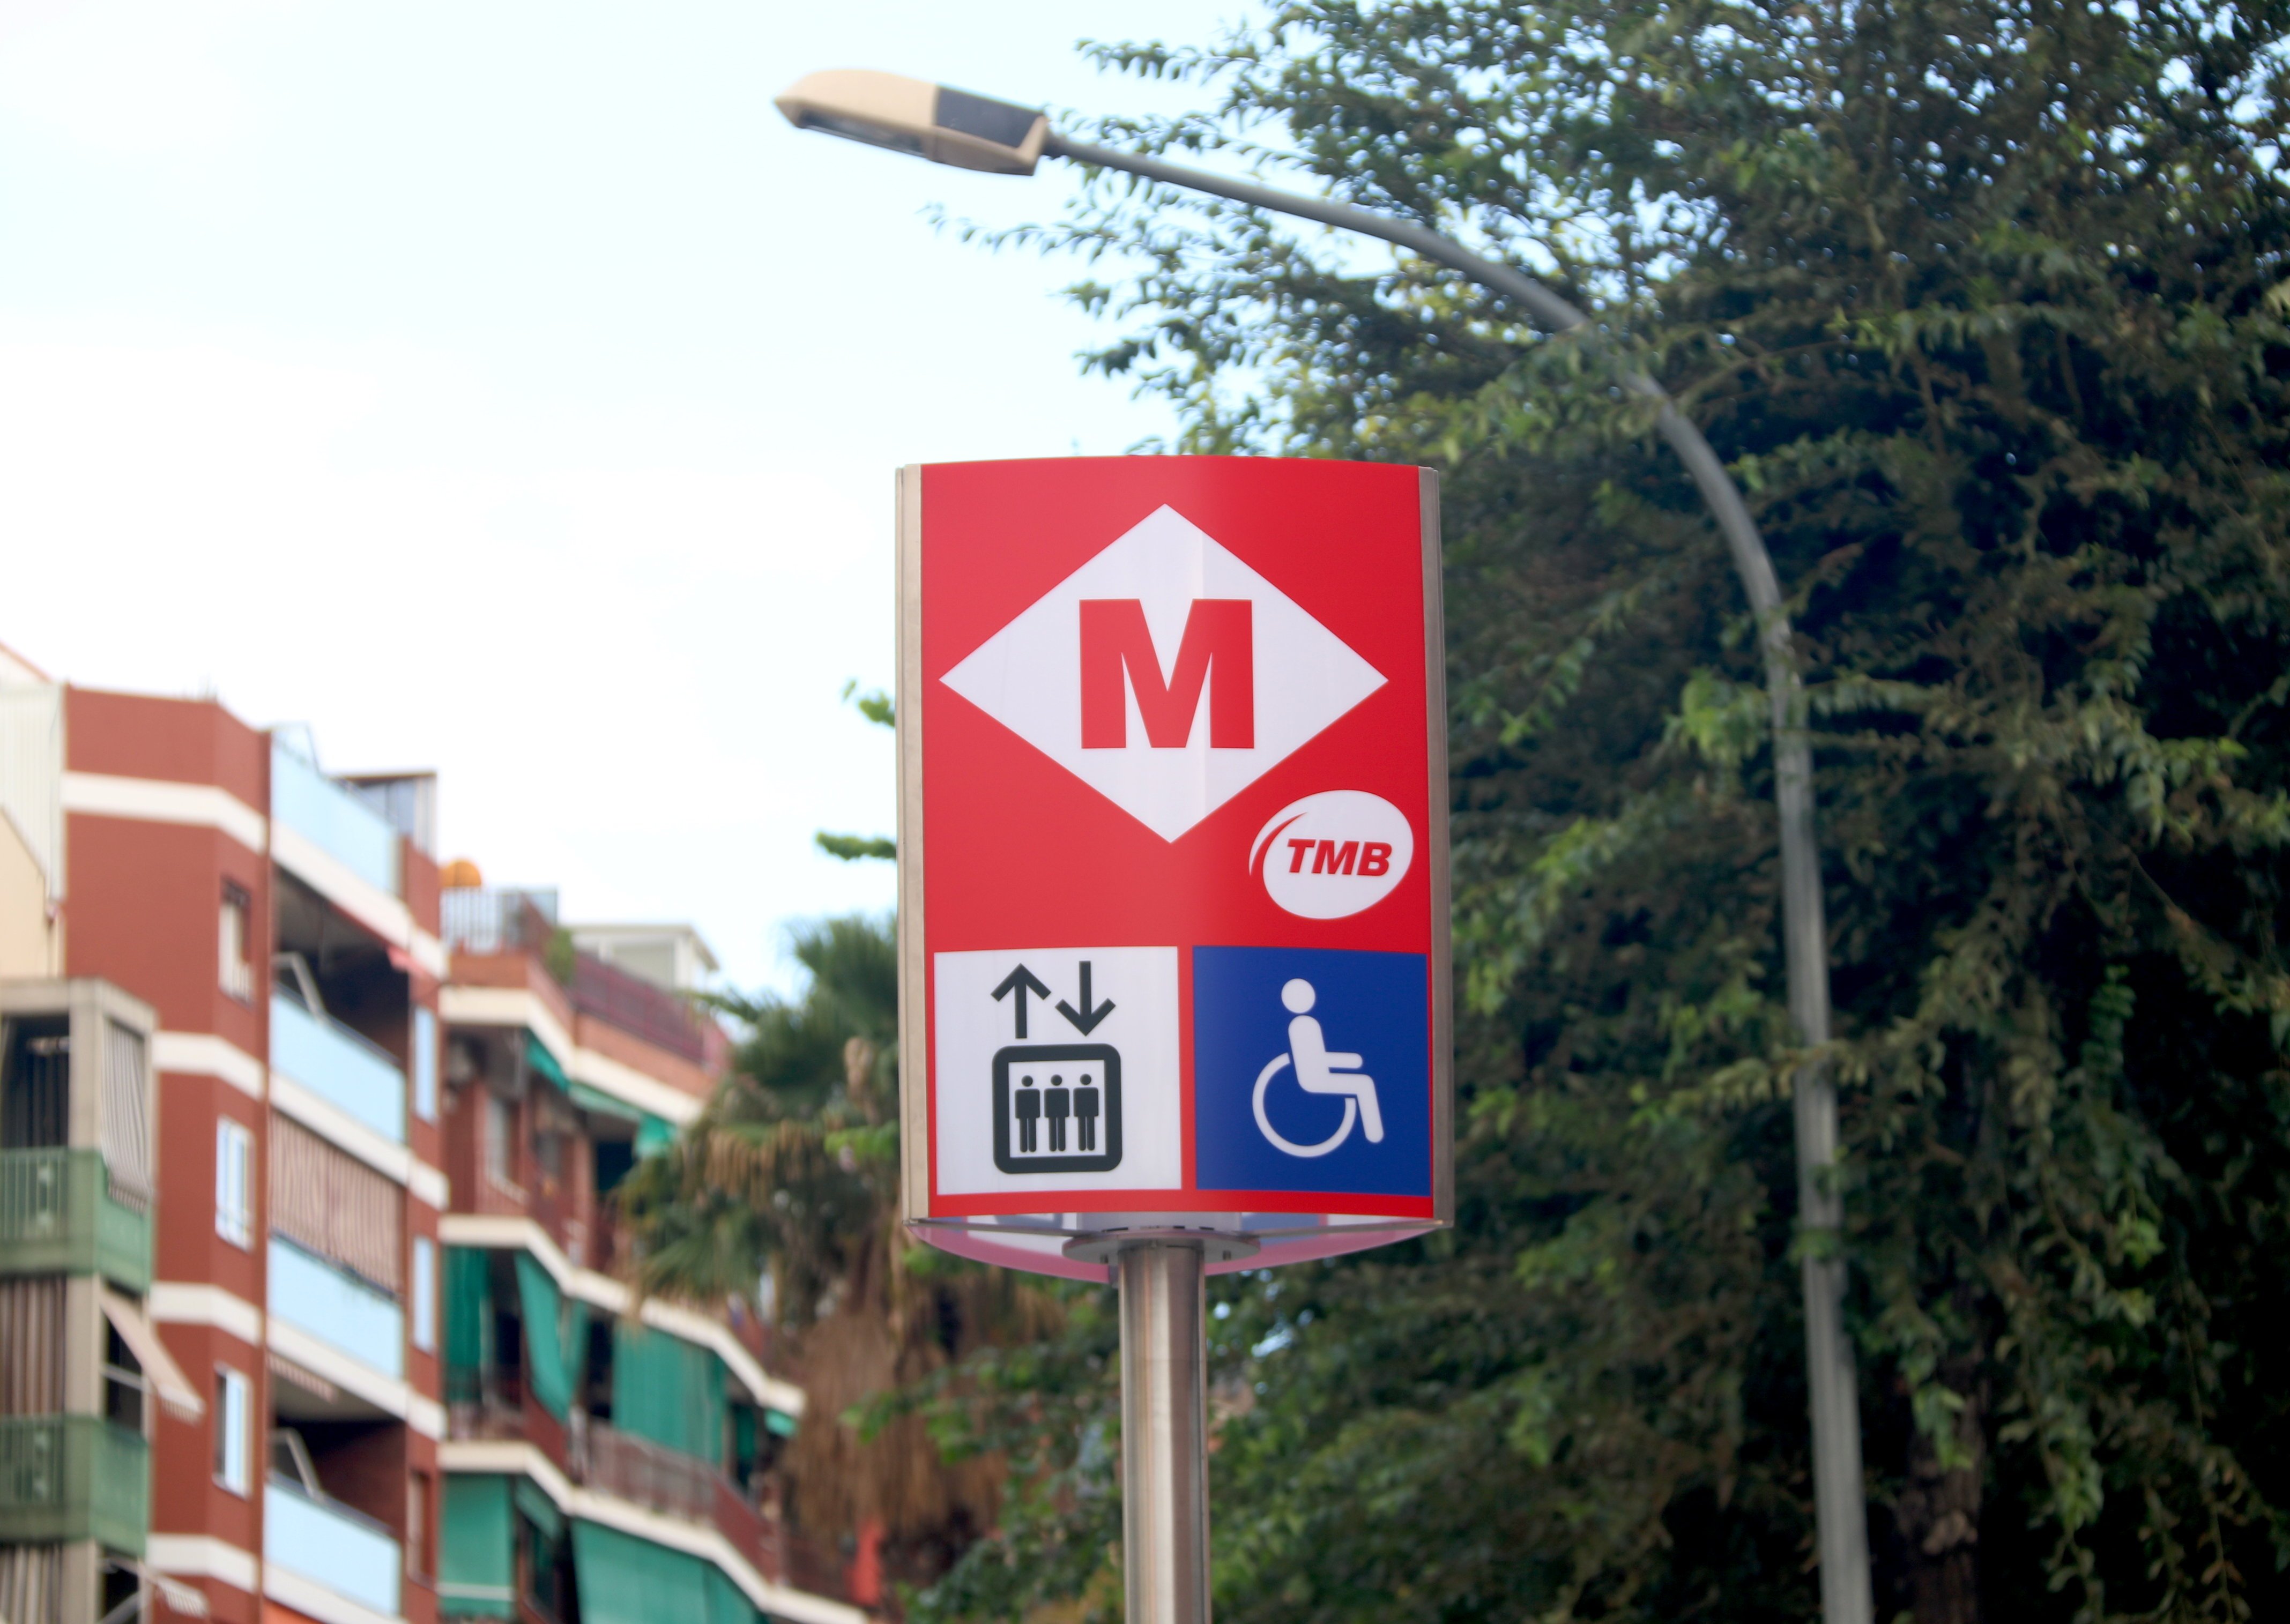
875 705
1984 301
791 1173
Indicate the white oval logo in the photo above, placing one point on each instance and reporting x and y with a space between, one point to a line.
1333 854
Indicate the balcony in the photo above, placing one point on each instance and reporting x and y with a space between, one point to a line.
64 1477
332 819
635 1006
327 1543
651 1474
340 1066
337 1308
58 1216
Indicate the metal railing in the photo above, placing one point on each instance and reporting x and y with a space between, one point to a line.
486 920
638 1008
58 1216
342 1068
64 1477
330 1544
651 1474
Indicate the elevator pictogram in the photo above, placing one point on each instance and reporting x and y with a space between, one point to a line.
1057 1107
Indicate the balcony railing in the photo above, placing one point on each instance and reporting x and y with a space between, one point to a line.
65 1477
637 1007
332 819
339 1066
326 1543
650 1474
58 1216
337 1308
487 920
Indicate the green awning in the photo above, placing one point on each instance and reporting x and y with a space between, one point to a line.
727 1603
537 1056
668 1390
596 1101
468 1321
476 1560
655 1135
538 1509
624 1580
544 1336
780 1422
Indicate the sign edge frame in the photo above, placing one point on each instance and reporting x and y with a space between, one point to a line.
1437 811
915 1147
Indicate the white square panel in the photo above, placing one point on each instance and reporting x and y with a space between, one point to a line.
1039 1081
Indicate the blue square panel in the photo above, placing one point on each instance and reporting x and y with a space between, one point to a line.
1312 1071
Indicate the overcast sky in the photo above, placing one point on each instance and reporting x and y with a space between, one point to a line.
502 387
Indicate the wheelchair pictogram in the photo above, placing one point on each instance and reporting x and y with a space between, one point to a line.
1318 1070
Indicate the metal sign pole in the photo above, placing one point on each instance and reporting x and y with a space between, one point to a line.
1165 1463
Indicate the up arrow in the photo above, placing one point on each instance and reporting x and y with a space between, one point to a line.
1021 981
1084 1019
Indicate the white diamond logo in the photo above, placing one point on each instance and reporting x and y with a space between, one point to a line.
1165 674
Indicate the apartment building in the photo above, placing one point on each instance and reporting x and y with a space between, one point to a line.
332 1337
615 1457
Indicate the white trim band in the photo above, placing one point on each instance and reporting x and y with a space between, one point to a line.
176 1302
158 800
203 1054
204 1556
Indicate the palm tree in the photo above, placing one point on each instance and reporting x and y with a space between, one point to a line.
785 1192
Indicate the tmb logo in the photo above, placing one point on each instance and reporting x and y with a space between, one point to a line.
1107 674
1333 854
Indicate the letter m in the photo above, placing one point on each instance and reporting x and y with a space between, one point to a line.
1117 657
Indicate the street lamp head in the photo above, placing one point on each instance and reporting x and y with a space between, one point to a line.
931 121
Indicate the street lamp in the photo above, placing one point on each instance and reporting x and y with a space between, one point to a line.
952 126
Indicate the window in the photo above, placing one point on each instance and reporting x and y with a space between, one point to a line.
500 1139
231 1455
124 1383
235 1182
237 971
425 1293
425 1063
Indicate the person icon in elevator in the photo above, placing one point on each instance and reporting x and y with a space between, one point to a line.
1079 1103
1029 1107
1085 1117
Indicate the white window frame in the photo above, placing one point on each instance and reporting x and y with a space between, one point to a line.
425 1063
234 925
423 1285
235 1182
234 1464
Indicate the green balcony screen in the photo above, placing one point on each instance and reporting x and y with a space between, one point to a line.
627 1581
667 1390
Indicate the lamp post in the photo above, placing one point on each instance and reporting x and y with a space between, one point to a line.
969 131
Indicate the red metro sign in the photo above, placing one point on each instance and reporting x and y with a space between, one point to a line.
1172 850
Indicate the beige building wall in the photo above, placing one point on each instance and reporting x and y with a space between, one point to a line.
31 944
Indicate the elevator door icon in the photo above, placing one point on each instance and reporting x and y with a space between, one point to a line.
1057 1108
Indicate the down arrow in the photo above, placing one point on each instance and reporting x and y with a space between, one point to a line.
1084 1019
